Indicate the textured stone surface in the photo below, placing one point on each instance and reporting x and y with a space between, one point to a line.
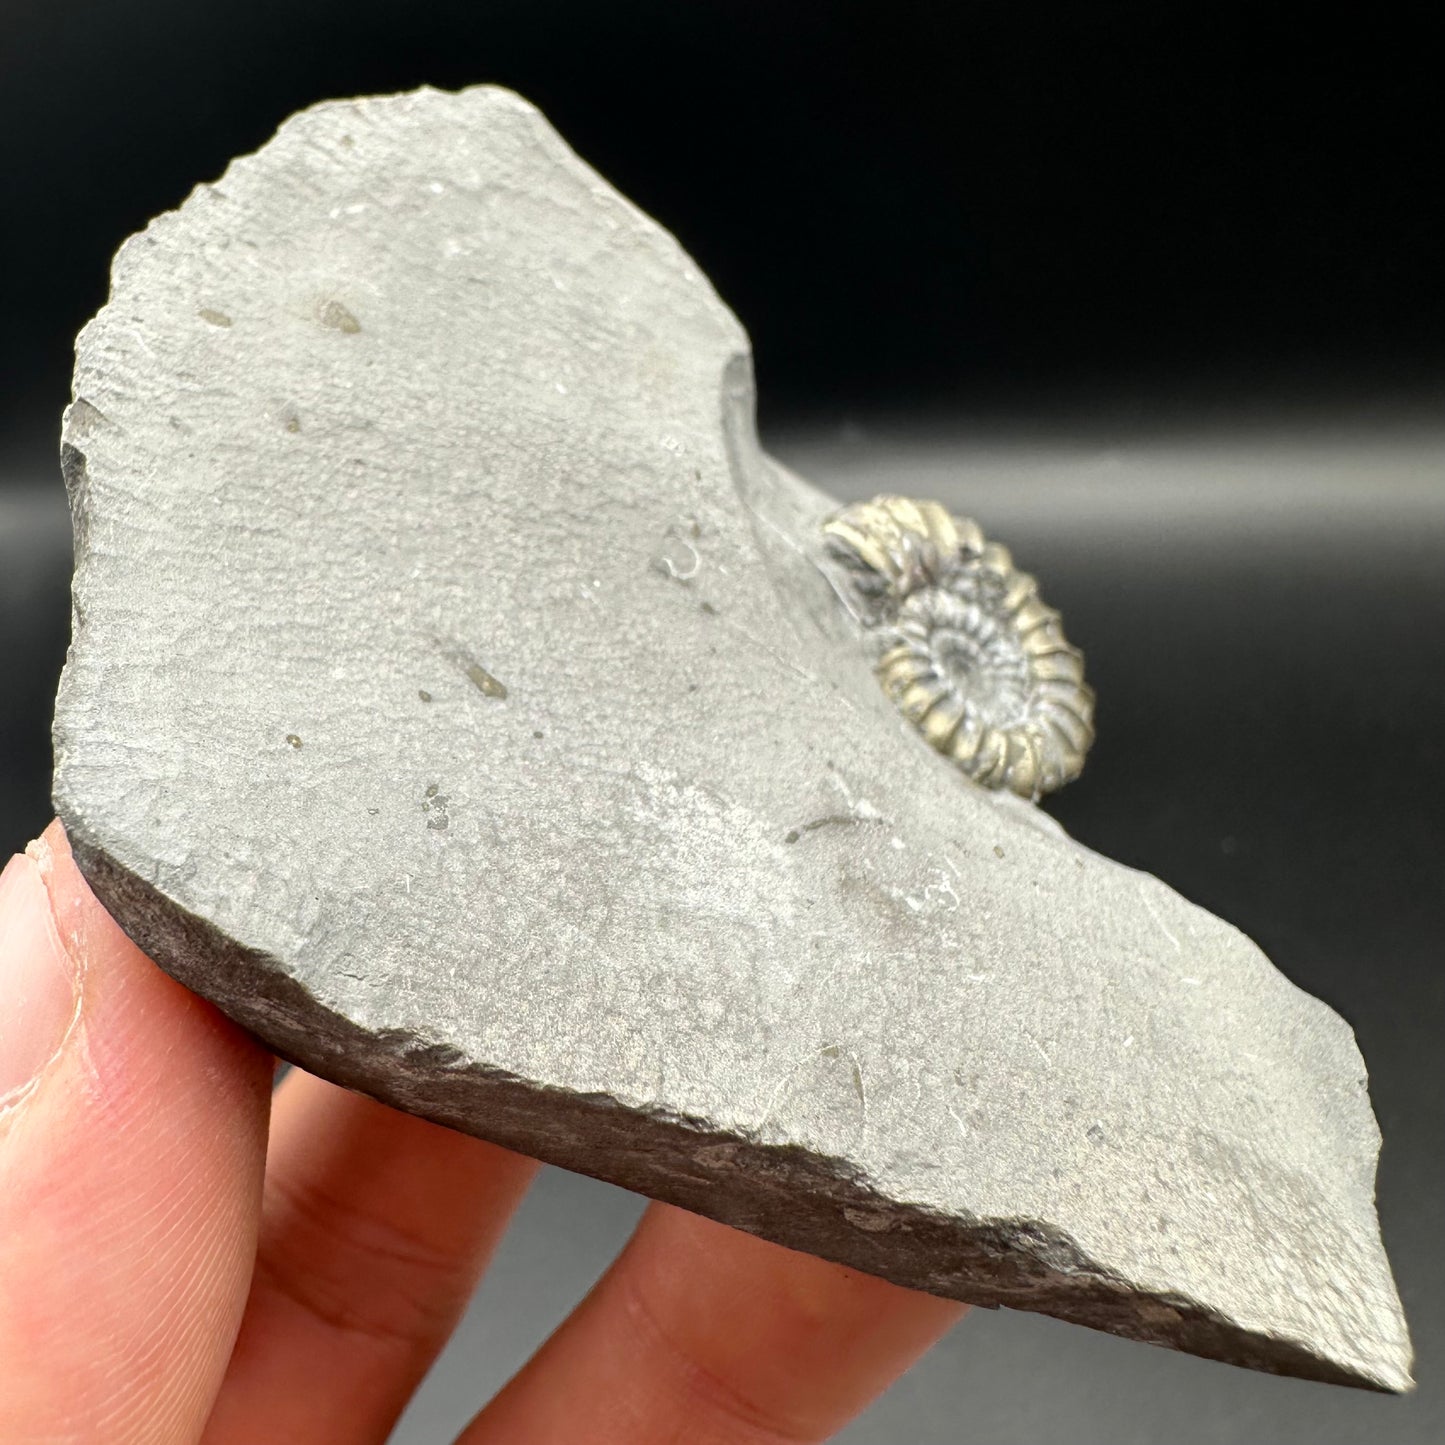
457 700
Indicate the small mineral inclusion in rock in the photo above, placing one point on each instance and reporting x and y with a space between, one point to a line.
965 647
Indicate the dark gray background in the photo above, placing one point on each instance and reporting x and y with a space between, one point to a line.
1154 295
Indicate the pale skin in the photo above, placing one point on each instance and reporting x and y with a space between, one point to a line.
184 1257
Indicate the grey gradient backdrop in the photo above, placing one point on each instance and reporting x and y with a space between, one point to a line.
1154 296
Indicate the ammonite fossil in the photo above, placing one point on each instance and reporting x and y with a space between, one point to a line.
965 647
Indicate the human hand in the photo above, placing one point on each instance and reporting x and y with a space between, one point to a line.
184 1258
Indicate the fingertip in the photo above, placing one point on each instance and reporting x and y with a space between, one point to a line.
39 991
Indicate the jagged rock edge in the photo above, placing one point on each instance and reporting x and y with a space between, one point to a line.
1034 1239
1023 1264
178 940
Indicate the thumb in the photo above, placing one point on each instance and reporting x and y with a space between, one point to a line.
132 1143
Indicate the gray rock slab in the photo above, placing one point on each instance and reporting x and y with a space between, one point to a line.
457 700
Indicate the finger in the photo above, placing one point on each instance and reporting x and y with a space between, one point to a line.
703 1334
132 1139
375 1231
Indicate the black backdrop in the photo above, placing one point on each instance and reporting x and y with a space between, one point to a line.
1096 221
983 205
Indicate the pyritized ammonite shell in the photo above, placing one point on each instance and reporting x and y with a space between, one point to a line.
965 646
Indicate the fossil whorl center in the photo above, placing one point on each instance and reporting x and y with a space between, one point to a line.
965 646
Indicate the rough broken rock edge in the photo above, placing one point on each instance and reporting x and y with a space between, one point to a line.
1022 1263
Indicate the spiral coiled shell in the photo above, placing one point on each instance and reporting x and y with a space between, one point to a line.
965 646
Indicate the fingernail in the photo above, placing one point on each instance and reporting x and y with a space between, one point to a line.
37 983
